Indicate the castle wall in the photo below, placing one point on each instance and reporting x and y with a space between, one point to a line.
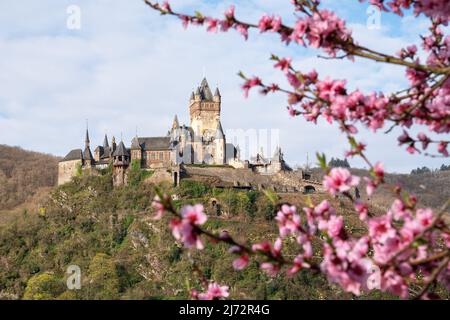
157 159
66 170
281 181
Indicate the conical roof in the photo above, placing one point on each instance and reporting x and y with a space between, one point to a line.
135 143
175 123
87 154
105 142
219 131
205 91
121 150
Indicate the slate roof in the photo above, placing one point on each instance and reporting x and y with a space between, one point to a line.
121 150
75 154
106 153
205 91
154 143
219 131
87 154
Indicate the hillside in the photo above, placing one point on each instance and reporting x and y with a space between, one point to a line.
124 254
23 174
432 189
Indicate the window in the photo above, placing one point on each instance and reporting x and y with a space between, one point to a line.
161 156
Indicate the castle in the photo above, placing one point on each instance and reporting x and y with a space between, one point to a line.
203 142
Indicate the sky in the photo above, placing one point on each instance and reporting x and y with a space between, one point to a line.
127 69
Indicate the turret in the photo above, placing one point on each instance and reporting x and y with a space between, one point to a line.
105 142
197 95
113 144
217 96
219 131
175 124
87 154
121 161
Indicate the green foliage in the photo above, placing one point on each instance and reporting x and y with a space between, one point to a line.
103 279
193 189
78 169
136 174
44 286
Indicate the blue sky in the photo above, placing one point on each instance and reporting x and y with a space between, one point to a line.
129 67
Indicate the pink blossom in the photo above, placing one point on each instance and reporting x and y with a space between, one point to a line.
215 291
351 275
293 80
166 6
381 228
370 186
299 31
328 88
288 220
267 23
212 25
242 29
362 209
378 170
241 262
270 268
292 112
424 217
299 264
284 64
250 83
339 180
184 231
158 207
334 226
394 283
229 13
194 214
424 139
442 148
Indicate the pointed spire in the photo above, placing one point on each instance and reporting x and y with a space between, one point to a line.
121 150
135 143
219 131
175 124
87 141
105 142
217 92
205 91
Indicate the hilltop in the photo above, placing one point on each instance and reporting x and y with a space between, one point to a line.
23 174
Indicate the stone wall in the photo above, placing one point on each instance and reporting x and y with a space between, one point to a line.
285 181
66 170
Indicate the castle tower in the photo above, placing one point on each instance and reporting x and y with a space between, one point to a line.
121 161
204 111
219 145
